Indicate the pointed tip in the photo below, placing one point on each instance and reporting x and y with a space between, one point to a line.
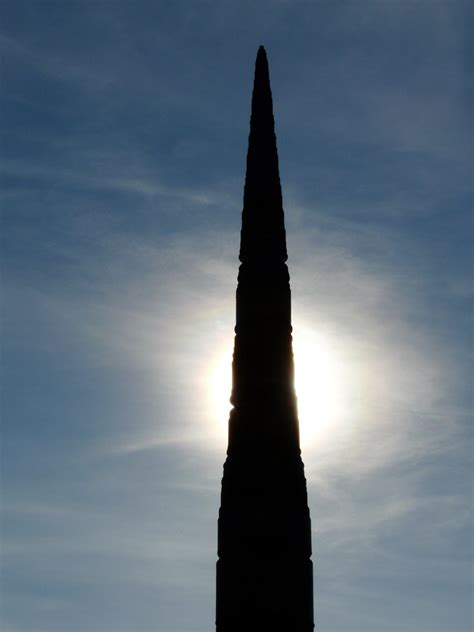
261 68
261 55
263 231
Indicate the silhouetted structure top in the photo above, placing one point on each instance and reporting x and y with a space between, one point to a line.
264 571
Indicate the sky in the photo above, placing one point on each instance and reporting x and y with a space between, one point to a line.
125 129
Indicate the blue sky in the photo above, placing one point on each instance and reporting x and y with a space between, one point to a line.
123 154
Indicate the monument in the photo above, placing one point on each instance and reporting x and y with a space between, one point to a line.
264 570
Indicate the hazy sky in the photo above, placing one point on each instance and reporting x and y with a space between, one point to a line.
125 134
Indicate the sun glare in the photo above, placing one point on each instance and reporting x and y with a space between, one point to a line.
220 386
318 385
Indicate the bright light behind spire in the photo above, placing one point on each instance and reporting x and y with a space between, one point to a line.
220 385
319 385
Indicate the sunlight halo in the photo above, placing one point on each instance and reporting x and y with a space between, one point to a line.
319 385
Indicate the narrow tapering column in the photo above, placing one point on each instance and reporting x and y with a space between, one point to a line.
264 571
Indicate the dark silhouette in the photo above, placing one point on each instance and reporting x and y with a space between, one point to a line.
264 571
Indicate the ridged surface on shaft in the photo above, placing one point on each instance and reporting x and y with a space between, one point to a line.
264 571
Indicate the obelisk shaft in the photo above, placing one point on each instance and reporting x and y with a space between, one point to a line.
264 571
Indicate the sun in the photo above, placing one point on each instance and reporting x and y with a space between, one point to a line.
318 385
220 386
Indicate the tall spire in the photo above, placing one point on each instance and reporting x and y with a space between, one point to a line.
263 358
263 231
264 572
